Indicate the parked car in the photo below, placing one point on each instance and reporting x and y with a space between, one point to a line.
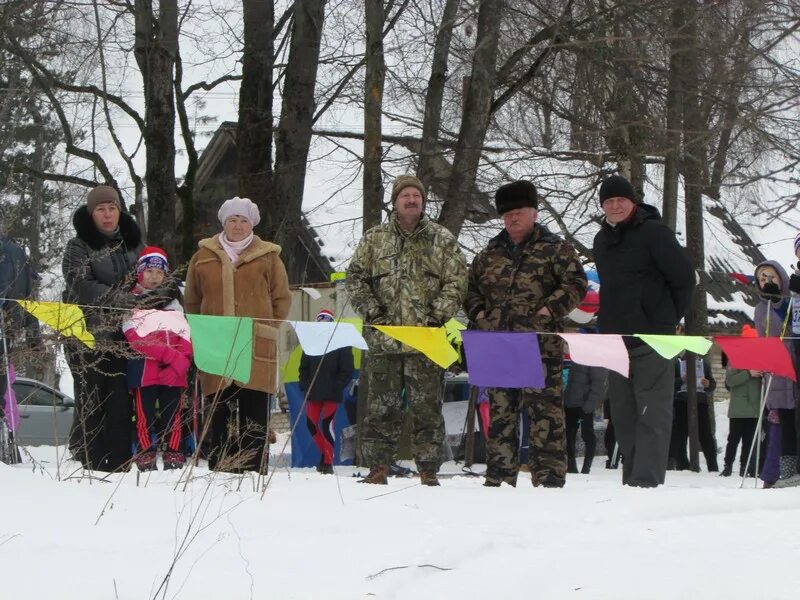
45 413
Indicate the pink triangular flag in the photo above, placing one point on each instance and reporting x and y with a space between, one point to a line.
598 350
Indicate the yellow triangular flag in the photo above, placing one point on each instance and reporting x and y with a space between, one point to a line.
66 319
431 341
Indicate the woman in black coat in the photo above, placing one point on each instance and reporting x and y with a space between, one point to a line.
322 380
99 268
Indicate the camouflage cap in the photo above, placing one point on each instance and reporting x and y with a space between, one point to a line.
404 181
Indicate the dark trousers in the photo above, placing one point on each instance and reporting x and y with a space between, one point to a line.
576 418
680 436
239 428
641 407
165 433
100 437
743 430
788 432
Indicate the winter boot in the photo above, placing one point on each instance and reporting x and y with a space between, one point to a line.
325 469
727 471
496 480
146 461
173 460
428 478
377 474
551 481
587 464
572 465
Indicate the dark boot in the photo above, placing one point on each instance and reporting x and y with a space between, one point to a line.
551 481
711 463
727 471
428 478
587 464
325 469
377 474
496 480
572 465
146 461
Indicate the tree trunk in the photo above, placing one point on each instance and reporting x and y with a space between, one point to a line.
156 44
674 107
294 135
693 144
373 111
435 94
475 118
254 131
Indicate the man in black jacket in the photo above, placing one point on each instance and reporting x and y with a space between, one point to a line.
646 286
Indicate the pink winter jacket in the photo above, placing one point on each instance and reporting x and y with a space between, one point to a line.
163 338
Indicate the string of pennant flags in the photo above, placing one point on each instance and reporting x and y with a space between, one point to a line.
223 345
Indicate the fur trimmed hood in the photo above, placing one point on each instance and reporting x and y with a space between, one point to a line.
86 230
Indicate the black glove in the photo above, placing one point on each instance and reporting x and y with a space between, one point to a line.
794 283
771 291
431 322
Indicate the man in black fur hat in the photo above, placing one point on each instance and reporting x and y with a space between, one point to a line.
526 279
646 284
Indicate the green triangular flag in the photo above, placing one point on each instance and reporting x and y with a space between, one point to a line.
223 345
669 346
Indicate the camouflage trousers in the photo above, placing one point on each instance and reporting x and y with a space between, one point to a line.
388 376
547 439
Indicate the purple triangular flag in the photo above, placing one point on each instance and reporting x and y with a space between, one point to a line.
12 410
502 359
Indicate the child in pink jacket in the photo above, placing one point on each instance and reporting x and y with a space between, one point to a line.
158 376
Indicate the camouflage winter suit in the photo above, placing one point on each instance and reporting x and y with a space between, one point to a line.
401 278
511 283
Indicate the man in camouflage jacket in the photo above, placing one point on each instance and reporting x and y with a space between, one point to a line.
526 279
407 271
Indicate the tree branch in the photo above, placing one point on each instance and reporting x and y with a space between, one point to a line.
208 86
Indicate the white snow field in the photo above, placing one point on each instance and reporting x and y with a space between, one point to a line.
322 536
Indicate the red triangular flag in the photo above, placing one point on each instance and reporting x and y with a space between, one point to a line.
758 354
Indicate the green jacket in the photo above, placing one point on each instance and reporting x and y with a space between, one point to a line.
401 278
745 394
511 282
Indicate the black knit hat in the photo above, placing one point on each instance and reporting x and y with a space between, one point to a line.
617 186
515 195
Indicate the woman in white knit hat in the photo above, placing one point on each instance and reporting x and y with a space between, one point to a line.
236 273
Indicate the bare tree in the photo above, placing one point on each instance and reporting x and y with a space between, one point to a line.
284 219
475 118
375 16
254 132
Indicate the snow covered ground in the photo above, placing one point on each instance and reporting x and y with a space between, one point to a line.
318 536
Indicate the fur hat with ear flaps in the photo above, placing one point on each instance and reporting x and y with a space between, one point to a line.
516 194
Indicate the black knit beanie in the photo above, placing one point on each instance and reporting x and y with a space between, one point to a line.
515 195
617 186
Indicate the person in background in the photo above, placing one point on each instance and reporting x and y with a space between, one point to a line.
158 377
323 380
771 320
705 385
236 273
585 391
745 404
